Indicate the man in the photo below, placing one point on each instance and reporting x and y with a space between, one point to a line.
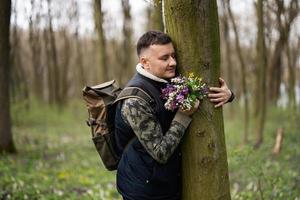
149 168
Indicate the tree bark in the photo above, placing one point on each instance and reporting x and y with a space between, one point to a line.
243 70
6 139
98 17
194 27
261 66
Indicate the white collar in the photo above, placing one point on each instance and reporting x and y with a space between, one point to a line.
142 71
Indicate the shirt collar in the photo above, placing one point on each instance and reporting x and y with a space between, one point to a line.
140 69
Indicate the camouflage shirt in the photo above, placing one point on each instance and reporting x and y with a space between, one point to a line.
140 116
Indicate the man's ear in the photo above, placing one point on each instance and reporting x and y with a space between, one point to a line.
144 62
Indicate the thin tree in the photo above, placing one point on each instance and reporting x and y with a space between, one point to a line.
79 54
292 53
35 47
285 17
228 49
156 18
261 59
18 79
243 71
53 65
127 61
98 18
65 65
6 139
194 27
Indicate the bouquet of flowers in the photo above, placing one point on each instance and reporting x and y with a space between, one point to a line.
183 92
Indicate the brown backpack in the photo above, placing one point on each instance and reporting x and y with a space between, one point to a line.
101 101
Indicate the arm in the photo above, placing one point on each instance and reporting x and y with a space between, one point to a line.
140 116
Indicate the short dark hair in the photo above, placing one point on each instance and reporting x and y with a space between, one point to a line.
152 37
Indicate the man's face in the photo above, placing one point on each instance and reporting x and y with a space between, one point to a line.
159 60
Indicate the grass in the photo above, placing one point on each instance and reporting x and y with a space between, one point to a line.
56 158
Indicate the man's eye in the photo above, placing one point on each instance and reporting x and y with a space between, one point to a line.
165 58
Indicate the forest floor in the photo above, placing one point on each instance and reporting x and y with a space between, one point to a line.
57 160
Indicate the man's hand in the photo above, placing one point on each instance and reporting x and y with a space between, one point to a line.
192 110
219 95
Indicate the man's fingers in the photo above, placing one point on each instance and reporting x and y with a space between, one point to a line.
215 95
217 100
215 89
197 103
221 81
219 104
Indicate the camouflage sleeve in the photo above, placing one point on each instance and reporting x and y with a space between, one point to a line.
140 116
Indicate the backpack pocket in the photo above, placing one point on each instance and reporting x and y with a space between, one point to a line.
106 151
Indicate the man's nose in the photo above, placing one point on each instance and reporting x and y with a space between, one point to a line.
172 62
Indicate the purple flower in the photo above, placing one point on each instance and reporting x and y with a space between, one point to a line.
185 91
180 98
166 91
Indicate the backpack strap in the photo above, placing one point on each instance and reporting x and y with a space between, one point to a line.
135 92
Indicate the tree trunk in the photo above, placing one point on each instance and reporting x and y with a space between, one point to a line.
261 66
243 70
228 51
79 55
35 47
98 17
49 69
292 77
6 139
64 72
18 79
194 27
285 17
275 71
127 61
53 55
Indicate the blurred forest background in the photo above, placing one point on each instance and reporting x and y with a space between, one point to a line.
58 47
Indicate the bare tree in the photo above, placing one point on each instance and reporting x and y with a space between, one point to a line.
243 70
35 46
79 54
53 66
284 18
18 79
292 54
261 59
127 61
6 139
98 17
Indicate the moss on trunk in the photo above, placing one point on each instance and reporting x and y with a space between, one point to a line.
194 27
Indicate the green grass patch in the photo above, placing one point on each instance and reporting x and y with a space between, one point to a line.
56 158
